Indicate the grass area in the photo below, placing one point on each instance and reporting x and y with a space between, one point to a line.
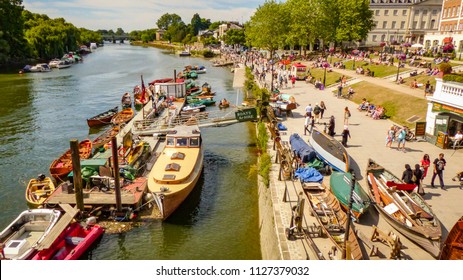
421 79
399 106
331 77
380 70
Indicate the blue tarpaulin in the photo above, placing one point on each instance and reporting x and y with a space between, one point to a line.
308 174
301 148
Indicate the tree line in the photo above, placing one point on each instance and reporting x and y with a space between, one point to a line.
305 22
25 35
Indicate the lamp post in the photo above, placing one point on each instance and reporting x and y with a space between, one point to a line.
399 59
325 64
353 64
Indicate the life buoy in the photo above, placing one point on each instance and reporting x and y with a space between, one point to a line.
122 152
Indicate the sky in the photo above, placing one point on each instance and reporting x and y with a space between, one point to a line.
140 14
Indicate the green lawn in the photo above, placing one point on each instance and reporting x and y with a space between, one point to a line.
380 70
331 77
421 79
399 106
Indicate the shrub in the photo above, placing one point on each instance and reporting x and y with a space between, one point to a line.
208 53
445 68
453 78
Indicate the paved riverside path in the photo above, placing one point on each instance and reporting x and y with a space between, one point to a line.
368 141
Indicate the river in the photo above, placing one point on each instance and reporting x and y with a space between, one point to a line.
41 112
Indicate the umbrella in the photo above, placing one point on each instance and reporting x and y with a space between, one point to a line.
417 45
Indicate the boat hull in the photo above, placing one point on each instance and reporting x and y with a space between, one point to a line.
330 150
61 167
103 118
71 243
38 191
453 246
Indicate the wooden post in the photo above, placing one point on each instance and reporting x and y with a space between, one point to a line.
175 76
346 251
116 174
77 174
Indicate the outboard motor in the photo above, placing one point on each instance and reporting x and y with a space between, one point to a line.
41 177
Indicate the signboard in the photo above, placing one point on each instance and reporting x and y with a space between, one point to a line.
437 107
246 115
420 129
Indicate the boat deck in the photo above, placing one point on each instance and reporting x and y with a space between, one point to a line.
131 194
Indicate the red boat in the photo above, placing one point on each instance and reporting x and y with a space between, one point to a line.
103 118
71 243
61 167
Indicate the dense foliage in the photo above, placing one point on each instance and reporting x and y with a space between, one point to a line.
302 22
26 35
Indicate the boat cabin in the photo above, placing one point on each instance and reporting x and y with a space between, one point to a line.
174 140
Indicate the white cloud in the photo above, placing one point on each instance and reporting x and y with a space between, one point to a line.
139 15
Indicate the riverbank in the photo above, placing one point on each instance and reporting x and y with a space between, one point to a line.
367 142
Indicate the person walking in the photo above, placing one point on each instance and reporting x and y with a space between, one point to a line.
425 163
322 109
308 110
390 137
346 115
418 176
316 112
331 126
345 134
293 80
309 121
438 170
407 175
401 139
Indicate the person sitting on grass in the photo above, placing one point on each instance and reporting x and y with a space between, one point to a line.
414 84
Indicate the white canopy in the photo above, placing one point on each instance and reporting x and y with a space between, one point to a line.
417 45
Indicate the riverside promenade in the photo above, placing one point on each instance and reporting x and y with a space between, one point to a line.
368 141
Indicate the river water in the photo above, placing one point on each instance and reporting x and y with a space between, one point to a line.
41 112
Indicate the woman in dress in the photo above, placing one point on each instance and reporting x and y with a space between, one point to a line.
390 137
425 163
322 109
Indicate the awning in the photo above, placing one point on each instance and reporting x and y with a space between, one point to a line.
448 40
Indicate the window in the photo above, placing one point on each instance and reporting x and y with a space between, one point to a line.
434 12
423 24
374 38
415 23
393 25
376 23
182 142
170 141
178 155
194 142
402 24
383 38
433 23
425 12
386 12
377 13
396 12
404 12
454 11
172 167
384 24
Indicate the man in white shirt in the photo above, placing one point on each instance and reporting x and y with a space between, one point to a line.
457 139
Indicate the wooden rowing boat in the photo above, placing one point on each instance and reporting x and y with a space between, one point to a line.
102 118
62 166
407 212
123 116
72 243
26 232
330 150
105 137
341 187
333 221
38 190
453 245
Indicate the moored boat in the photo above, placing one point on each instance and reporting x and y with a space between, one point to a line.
41 67
105 137
340 184
62 166
453 245
102 118
194 107
38 190
178 168
123 116
26 232
407 212
184 53
71 243
333 221
330 150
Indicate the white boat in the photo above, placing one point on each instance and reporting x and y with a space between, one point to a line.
63 64
177 169
26 232
330 150
42 67
194 107
54 63
184 53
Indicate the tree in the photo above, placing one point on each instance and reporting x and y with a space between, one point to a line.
120 32
196 24
12 27
268 27
167 20
235 37
355 21
302 22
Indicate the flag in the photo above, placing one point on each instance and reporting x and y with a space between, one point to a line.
143 91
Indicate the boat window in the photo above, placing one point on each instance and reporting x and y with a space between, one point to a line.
172 167
170 141
182 142
178 155
194 142
168 177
